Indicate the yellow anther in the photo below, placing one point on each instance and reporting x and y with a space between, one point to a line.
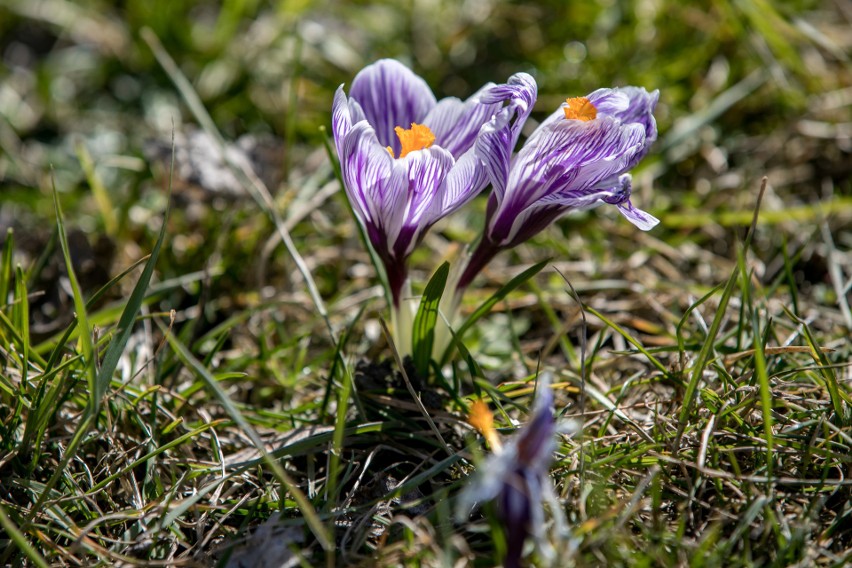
580 108
482 419
415 138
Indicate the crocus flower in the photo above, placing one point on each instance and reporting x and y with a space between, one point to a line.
578 158
407 159
516 477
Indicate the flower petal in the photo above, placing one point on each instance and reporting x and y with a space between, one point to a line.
341 121
464 182
421 174
344 113
497 138
536 442
610 102
619 195
456 123
639 108
391 95
642 220
367 169
564 164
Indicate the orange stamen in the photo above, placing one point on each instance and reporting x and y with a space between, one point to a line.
415 138
483 420
580 108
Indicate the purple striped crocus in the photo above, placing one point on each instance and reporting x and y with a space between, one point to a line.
578 158
407 159
516 476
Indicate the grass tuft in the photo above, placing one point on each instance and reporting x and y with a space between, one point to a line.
201 375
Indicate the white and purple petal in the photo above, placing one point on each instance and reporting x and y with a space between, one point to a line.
341 120
344 113
640 109
425 172
563 165
498 138
464 182
620 197
456 123
391 95
367 169
610 102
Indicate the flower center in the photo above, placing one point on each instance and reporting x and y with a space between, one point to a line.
580 108
415 138
482 419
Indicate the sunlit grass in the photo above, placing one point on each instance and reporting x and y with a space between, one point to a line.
196 372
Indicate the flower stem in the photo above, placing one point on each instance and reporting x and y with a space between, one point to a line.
397 274
402 319
485 251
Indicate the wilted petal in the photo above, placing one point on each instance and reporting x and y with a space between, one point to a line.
391 95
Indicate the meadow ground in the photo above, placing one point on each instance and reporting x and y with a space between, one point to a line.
193 366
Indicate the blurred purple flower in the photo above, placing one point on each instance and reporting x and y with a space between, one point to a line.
576 159
516 478
407 159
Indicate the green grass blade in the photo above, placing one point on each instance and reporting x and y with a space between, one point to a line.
22 309
704 357
157 451
128 315
86 343
99 192
423 334
760 372
18 538
347 391
17 338
301 499
83 427
486 306
630 339
63 340
681 344
840 400
6 267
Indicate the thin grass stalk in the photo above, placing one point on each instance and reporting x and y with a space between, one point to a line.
302 501
249 179
20 540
